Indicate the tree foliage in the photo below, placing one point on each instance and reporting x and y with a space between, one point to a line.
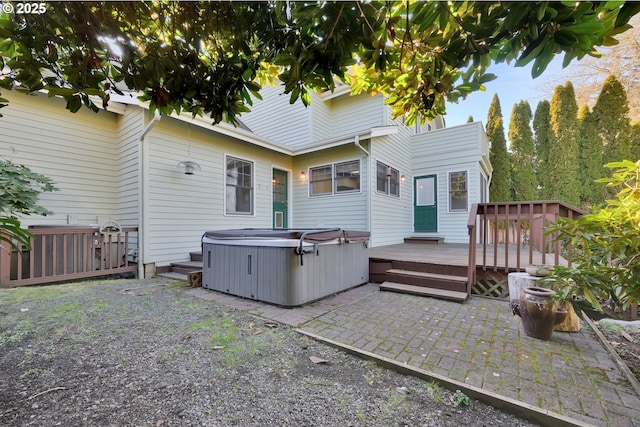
563 153
611 114
543 142
590 161
212 57
523 176
20 188
499 189
588 75
604 246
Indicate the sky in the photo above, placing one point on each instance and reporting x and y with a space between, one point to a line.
512 85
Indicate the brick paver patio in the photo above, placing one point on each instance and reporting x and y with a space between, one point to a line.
479 344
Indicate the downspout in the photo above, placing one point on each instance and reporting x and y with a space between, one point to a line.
356 142
142 182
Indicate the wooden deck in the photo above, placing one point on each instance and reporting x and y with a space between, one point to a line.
457 254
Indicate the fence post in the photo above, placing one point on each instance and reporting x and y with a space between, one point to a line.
5 264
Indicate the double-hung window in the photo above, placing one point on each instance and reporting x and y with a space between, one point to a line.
337 178
387 180
458 191
239 186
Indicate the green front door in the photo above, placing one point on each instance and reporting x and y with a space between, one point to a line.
280 198
425 203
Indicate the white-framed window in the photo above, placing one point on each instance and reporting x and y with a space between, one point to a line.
387 179
239 186
335 178
458 191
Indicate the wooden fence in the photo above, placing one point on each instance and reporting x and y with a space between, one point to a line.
67 253
519 225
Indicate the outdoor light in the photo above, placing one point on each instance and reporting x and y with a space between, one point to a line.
189 167
403 178
303 176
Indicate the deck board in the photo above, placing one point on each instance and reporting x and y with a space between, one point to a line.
457 254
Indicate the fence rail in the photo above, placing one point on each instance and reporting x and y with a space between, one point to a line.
519 225
66 253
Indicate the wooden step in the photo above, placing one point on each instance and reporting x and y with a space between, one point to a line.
186 267
196 256
452 270
425 240
428 280
422 291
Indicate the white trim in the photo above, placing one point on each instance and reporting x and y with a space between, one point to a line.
449 172
375 180
333 190
253 186
348 139
339 90
289 192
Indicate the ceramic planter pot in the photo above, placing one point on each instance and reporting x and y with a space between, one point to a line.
539 312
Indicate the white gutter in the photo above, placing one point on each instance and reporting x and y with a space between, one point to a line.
356 142
344 140
142 194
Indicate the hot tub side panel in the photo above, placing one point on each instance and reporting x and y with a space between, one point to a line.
274 274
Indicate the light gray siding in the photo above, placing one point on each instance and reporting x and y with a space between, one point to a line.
391 217
347 211
180 208
71 149
448 150
351 114
131 126
275 118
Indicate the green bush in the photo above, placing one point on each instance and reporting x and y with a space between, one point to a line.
20 188
604 246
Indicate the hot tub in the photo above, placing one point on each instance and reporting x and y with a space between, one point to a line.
284 267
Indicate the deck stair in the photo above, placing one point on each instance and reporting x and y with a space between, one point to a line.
426 279
188 271
425 240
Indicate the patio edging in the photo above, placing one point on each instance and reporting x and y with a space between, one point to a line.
635 384
525 410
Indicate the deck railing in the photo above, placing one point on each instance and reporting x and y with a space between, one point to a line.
509 225
67 253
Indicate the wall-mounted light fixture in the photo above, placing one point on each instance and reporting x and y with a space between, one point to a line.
403 178
303 176
189 167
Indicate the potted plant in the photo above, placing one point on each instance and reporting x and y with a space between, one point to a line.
603 247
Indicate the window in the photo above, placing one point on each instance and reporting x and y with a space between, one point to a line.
320 180
239 186
458 191
387 180
336 178
347 177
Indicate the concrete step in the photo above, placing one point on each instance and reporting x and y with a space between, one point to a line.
422 291
428 280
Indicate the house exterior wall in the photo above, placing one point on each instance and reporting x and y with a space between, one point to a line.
72 149
275 118
347 211
391 216
130 127
352 114
179 208
440 152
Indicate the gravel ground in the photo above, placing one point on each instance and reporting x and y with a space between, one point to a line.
142 353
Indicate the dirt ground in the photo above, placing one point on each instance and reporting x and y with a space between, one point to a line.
626 342
143 353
